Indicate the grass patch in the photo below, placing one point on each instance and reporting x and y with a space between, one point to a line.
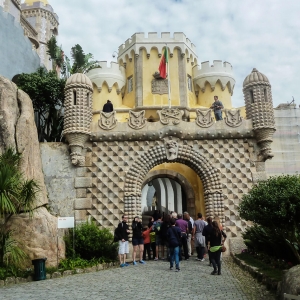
267 269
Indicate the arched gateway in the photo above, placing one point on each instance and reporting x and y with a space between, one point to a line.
213 196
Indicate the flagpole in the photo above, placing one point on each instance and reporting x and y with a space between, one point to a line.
169 83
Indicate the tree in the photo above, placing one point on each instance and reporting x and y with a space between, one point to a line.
47 94
275 204
56 55
17 195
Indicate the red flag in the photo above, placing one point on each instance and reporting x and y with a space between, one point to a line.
163 65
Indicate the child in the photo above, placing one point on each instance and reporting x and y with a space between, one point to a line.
146 236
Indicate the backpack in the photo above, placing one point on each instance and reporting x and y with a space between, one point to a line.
157 228
117 233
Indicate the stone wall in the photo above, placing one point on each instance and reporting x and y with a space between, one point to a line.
59 175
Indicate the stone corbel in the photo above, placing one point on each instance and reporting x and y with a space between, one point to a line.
192 63
171 55
197 93
148 55
109 89
130 59
182 55
136 55
188 59
99 89
124 65
159 55
118 91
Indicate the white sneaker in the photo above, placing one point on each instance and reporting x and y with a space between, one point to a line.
202 259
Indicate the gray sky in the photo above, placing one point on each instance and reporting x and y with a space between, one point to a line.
247 33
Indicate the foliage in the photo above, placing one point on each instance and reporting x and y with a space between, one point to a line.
12 271
56 53
263 241
17 196
91 242
47 94
275 205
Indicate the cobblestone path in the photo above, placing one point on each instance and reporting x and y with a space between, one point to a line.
151 281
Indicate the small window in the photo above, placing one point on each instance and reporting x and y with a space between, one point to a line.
251 96
266 95
74 98
130 84
189 82
88 99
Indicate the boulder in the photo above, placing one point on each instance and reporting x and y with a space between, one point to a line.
291 282
18 131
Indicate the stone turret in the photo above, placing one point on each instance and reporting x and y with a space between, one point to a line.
259 108
78 115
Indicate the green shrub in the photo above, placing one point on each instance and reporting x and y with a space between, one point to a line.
91 242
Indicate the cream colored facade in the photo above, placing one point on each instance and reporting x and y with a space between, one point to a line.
145 154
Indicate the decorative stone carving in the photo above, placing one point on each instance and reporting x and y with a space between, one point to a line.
171 149
170 116
233 117
264 140
136 119
107 121
160 86
204 118
77 159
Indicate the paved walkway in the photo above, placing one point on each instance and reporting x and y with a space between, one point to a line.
151 281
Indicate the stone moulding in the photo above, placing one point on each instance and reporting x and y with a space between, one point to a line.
107 121
233 117
137 120
204 118
170 116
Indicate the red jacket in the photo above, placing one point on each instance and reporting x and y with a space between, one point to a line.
146 235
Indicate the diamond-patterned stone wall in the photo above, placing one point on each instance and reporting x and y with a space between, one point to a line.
117 170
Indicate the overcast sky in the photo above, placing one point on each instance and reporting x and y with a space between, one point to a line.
247 33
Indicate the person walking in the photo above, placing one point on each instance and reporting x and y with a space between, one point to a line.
190 221
183 225
158 241
199 239
137 240
123 232
214 246
174 240
207 232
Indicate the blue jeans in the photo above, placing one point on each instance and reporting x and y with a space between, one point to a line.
218 115
174 254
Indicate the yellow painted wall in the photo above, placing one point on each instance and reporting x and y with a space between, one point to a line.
207 98
150 66
192 99
129 98
193 179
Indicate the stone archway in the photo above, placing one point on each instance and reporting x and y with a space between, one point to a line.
209 175
185 184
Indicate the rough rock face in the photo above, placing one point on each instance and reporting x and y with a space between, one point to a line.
18 131
39 235
291 282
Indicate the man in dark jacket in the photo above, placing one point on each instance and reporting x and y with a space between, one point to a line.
137 239
123 231
108 107
174 240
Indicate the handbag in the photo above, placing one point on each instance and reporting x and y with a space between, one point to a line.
223 249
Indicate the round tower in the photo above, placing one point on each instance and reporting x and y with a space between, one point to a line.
259 108
216 79
78 115
44 20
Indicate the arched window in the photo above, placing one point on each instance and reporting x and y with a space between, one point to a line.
74 98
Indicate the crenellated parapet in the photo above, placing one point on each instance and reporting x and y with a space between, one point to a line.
111 75
217 72
139 40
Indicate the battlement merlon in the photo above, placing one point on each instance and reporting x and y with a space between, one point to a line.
138 40
47 7
113 74
218 71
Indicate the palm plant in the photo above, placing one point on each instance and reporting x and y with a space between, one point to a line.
56 55
17 195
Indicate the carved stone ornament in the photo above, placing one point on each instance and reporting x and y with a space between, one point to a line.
171 149
136 119
233 117
107 120
160 86
204 118
170 116
77 159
